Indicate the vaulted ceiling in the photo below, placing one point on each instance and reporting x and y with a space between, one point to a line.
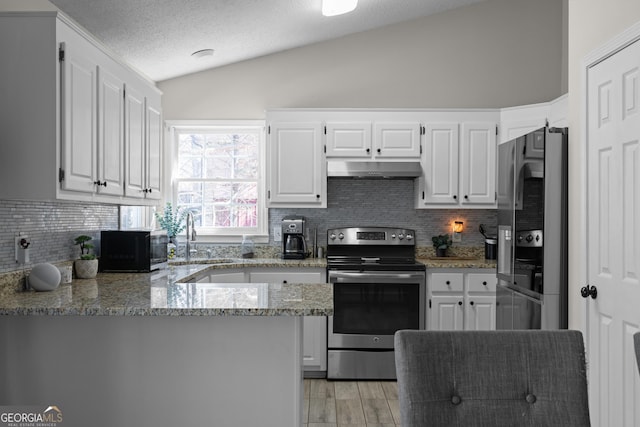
158 36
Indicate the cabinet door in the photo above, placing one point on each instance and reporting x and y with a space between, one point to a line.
314 343
478 164
297 168
79 129
135 144
111 134
394 140
440 164
480 313
349 139
153 153
446 312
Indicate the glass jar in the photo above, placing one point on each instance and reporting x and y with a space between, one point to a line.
247 247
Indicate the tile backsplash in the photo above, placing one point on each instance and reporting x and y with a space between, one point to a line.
52 226
386 203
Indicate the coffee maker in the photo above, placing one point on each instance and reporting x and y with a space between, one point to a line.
294 245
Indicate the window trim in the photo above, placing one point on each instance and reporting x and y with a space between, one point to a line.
171 165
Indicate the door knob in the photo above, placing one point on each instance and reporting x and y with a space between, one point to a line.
587 291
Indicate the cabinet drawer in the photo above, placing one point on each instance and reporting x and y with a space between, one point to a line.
445 282
481 282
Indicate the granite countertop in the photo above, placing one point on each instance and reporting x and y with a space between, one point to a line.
169 292
457 262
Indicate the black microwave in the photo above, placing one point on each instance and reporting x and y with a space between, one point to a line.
132 251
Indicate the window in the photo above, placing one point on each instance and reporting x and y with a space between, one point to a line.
217 173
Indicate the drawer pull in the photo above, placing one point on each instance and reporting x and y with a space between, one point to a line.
448 282
459 302
484 283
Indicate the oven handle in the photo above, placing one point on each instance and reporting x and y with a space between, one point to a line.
375 277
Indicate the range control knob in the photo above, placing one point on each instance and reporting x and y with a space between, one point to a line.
393 235
529 238
341 236
409 237
332 236
401 236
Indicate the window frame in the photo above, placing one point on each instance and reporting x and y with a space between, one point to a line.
232 235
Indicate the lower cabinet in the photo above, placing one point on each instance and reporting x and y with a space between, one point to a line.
315 327
461 299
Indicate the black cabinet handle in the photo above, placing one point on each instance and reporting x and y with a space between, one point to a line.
284 281
459 302
317 196
100 183
455 197
471 303
368 150
484 283
466 197
448 282
379 150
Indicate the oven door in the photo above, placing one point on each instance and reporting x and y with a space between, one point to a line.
370 306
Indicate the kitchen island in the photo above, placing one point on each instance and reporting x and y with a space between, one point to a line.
153 349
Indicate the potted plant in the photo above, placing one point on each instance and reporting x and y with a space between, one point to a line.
172 221
87 265
441 243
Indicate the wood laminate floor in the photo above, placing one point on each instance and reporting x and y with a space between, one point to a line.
350 403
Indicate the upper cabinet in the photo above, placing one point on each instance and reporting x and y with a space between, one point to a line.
297 170
369 140
458 165
95 128
518 121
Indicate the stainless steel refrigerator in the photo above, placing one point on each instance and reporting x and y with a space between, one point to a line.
532 231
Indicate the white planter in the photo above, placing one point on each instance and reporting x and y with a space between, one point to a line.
86 268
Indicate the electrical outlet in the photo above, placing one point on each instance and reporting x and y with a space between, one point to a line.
456 237
277 234
22 243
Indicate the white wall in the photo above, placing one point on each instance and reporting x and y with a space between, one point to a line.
591 24
497 53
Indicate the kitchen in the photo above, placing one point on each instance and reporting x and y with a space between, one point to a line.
477 85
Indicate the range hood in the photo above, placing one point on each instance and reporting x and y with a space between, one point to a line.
355 169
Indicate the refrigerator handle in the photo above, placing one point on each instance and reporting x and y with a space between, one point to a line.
505 243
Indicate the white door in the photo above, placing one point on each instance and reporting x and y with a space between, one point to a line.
446 313
111 134
397 140
348 139
440 164
80 105
613 252
478 163
135 179
154 149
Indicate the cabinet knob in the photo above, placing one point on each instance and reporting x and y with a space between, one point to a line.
455 197
471 302
379 150
368 150
484 283
317 196
466 197
100 183
459 302
284 281
448 282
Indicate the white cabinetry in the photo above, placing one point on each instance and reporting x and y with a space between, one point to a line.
461 300
459 164
297 171
70 144
389 140
143 140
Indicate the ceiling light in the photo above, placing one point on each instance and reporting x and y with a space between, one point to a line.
202 53
338 7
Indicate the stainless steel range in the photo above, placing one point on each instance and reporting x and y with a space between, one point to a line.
378 288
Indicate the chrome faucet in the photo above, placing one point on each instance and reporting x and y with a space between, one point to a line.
191 235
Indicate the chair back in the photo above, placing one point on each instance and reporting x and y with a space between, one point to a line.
636 344
491 378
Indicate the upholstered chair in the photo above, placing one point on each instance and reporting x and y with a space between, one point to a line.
491 378
636 342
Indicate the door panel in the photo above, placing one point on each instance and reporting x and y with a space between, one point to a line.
613 202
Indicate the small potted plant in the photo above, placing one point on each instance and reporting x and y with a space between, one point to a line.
441 243
172 221
87 265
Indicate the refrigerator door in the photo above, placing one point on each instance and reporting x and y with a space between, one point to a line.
506 217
